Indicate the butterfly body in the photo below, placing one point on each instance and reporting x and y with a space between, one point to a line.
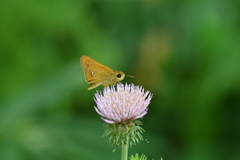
97 74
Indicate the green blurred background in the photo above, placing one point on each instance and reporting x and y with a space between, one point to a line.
187 53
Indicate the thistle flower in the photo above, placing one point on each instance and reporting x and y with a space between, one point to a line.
120 108
128 102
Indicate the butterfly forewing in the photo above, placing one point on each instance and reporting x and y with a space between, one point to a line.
95 72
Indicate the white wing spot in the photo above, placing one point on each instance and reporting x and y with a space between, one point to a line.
92 73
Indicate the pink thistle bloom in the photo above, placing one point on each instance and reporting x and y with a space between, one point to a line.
125 103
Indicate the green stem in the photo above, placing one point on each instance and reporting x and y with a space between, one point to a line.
125 152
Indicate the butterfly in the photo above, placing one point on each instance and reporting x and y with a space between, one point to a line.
97 74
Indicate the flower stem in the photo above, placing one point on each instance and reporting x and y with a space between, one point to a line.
125 152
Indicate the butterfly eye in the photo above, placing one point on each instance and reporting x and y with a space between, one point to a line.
119 75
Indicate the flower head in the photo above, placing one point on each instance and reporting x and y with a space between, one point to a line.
123 104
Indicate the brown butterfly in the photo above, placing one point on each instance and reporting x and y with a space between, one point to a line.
97 74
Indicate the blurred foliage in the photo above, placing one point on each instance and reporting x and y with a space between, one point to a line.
186 53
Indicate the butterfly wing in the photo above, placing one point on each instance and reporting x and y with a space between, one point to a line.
95 72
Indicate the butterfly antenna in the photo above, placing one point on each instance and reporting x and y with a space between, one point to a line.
130 76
